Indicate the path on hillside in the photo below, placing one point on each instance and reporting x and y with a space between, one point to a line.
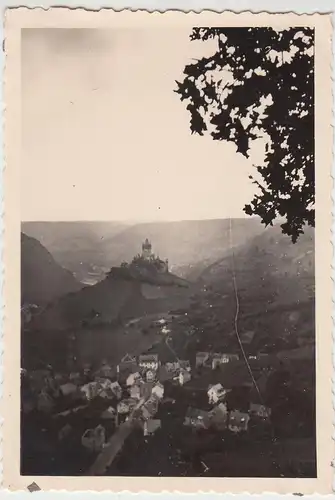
115 444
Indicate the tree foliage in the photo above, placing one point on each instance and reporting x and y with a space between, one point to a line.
259 82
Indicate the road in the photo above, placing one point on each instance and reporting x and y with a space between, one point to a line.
170 348
115 444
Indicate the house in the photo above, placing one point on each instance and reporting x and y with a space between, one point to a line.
128 363
216 393
150 407
165 330
94 439
127 358
103 383
44 402
106 393
184 377
160 322
259 410
158 390
146 388
150 375
133 378
201 358
217 360
126 405
109 413
219 416
90 390
198 419
184 364
148 361
135 391
151 426
238 421
141 390
117 389
172 367
227 358
68 389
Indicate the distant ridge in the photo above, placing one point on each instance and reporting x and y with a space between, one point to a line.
90 249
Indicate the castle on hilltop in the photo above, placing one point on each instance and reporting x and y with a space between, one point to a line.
148 260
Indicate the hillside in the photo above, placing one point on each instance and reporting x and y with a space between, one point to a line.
275 285
113 299
42 279
269 267
89 249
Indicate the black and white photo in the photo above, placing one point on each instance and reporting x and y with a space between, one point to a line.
170 266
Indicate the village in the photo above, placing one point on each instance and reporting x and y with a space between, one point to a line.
134 391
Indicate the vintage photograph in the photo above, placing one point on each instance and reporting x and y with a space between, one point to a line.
168 251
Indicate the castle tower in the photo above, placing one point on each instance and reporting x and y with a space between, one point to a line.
146 249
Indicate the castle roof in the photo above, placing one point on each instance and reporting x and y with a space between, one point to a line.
146 244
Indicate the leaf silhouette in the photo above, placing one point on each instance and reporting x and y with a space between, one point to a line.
269 92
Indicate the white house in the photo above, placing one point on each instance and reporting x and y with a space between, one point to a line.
90 390
133 378
135 391
238 421
150 375
216 393
165 330
158 390
148 361
226 358
184 376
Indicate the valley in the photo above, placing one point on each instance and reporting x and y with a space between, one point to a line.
134 312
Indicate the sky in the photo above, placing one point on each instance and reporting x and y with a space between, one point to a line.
104 137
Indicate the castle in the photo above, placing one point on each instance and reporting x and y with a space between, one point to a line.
148 259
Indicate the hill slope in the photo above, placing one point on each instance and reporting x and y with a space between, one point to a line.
77 246
269 266
42 279
115 298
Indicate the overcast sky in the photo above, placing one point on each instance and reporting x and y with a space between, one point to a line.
104 136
